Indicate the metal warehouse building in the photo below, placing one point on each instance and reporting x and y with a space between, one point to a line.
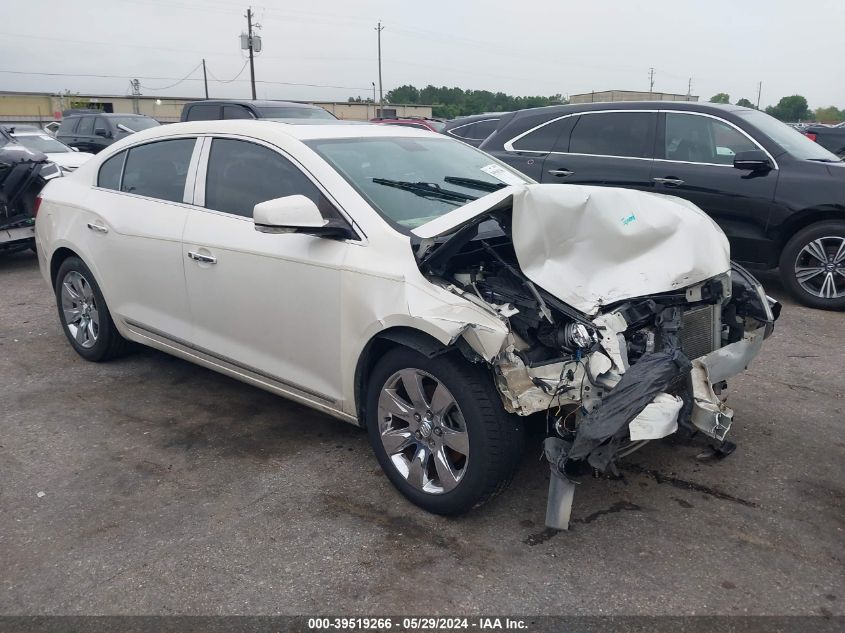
628 95
43 107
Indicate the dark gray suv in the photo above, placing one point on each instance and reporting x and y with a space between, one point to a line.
94 131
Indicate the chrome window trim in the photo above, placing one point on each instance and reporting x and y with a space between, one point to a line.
508 146
469 138
202 172
729 124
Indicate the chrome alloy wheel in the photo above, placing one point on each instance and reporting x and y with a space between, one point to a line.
820 267
423 431
79 307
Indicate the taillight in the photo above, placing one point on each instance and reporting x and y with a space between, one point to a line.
810 136
36 206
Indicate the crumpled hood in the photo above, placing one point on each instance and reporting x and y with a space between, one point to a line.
592 246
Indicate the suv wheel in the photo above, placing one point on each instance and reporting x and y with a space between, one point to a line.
84 314
439 430
812 265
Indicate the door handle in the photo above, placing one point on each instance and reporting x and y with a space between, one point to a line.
669 181
99 228
199 257
561 173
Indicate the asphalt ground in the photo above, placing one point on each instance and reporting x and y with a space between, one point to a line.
168 488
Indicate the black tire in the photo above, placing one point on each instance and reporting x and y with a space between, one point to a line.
789 259
109 343
495 438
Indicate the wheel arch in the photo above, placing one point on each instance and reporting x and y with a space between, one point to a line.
390 338
805 218
58 257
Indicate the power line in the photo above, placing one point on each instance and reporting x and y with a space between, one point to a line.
228 81
185 78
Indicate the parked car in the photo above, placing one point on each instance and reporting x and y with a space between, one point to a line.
779 197
475 128
94 131
36 139
831 137
23 173
409 283
419 123
215 110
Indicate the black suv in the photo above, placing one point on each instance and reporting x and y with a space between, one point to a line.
93 131
215 110
475 128
779 197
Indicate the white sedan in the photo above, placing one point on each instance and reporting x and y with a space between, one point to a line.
411 284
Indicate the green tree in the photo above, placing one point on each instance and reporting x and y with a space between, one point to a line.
453 102
792 108
830 114
722 97
745 103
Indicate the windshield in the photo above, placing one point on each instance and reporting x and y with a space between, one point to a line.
134 123
281 112
411 181
790 139
42 143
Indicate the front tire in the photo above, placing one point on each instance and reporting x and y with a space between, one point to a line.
812 265
439 431
84 315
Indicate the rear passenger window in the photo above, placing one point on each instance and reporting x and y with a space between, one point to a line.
242 174
109 176
158 169
543 139
613 134
204 113
86 126
236 112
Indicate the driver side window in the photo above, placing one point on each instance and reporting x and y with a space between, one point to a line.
698 139
241 174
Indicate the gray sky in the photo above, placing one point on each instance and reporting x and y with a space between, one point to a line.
540 47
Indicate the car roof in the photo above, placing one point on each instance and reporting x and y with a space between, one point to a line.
261 127
694 106
106 114
259 103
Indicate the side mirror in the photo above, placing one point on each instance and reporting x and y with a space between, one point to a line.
101 131
296 214
752 160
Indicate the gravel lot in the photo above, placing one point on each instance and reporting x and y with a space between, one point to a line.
168 488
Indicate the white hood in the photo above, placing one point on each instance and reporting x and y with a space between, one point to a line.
592 246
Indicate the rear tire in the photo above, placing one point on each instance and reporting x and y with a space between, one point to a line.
84 315
463 448
812 265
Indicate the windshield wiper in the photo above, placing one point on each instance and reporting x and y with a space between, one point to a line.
474 183
426 190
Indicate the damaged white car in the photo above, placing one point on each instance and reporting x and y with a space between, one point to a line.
409 283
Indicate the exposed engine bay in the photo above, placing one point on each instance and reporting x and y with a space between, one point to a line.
627 371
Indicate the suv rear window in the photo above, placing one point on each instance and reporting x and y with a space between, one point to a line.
206 112
613 134
68 126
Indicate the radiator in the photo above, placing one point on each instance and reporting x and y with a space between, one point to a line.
701 332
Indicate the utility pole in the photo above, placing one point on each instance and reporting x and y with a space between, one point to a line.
759 90
689 89
136 92
204 79
380 28
374 100
249 42
651 80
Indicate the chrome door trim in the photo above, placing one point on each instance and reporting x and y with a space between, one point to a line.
245 373
468 138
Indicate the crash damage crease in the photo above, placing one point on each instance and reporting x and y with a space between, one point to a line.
623 315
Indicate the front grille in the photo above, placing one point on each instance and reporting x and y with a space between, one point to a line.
701 331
